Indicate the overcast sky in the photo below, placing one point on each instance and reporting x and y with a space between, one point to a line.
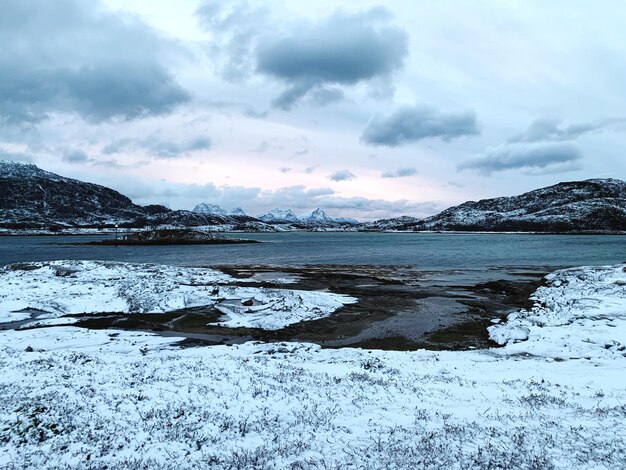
368 110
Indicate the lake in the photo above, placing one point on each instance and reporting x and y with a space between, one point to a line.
428 251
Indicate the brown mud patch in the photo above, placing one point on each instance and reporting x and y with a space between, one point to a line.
398 308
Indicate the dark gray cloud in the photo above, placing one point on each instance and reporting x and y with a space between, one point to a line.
552 130
343 49
342 175
400 173
545 147
160 148
75 156
543 157
324 96
309 57
413 123
71 56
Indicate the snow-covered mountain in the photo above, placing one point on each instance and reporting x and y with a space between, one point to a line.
238 212
317 218
212 209
596 205
280 216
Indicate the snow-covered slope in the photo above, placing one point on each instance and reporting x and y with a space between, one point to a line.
33 198
593 205
79 398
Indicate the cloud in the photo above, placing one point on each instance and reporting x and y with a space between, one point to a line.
324 96
399 173
313 57
342 175
73 57
551 129
160 148
413 123
537 156
75 156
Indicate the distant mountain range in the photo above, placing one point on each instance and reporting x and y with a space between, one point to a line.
281 216
31 198
213 209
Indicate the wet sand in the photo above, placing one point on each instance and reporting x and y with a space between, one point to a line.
398 308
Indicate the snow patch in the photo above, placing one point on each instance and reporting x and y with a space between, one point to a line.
58 288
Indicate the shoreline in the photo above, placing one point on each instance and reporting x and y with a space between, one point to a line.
397 308
98 232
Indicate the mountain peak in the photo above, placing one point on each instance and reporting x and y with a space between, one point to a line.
12 169
238 211
280 216
318 215
210 209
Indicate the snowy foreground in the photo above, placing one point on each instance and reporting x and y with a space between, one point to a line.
553 396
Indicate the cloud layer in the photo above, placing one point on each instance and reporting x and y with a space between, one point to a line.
414 123
158 147
70 56
551 156
550 129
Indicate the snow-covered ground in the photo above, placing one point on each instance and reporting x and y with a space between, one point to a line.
82 398
57 288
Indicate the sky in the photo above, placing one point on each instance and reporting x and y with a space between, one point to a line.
365 109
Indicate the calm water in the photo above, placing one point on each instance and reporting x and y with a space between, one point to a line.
425 251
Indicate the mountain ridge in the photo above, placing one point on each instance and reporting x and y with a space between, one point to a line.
595 205
33 198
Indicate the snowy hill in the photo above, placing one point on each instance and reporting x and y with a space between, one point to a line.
31 198
597 205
